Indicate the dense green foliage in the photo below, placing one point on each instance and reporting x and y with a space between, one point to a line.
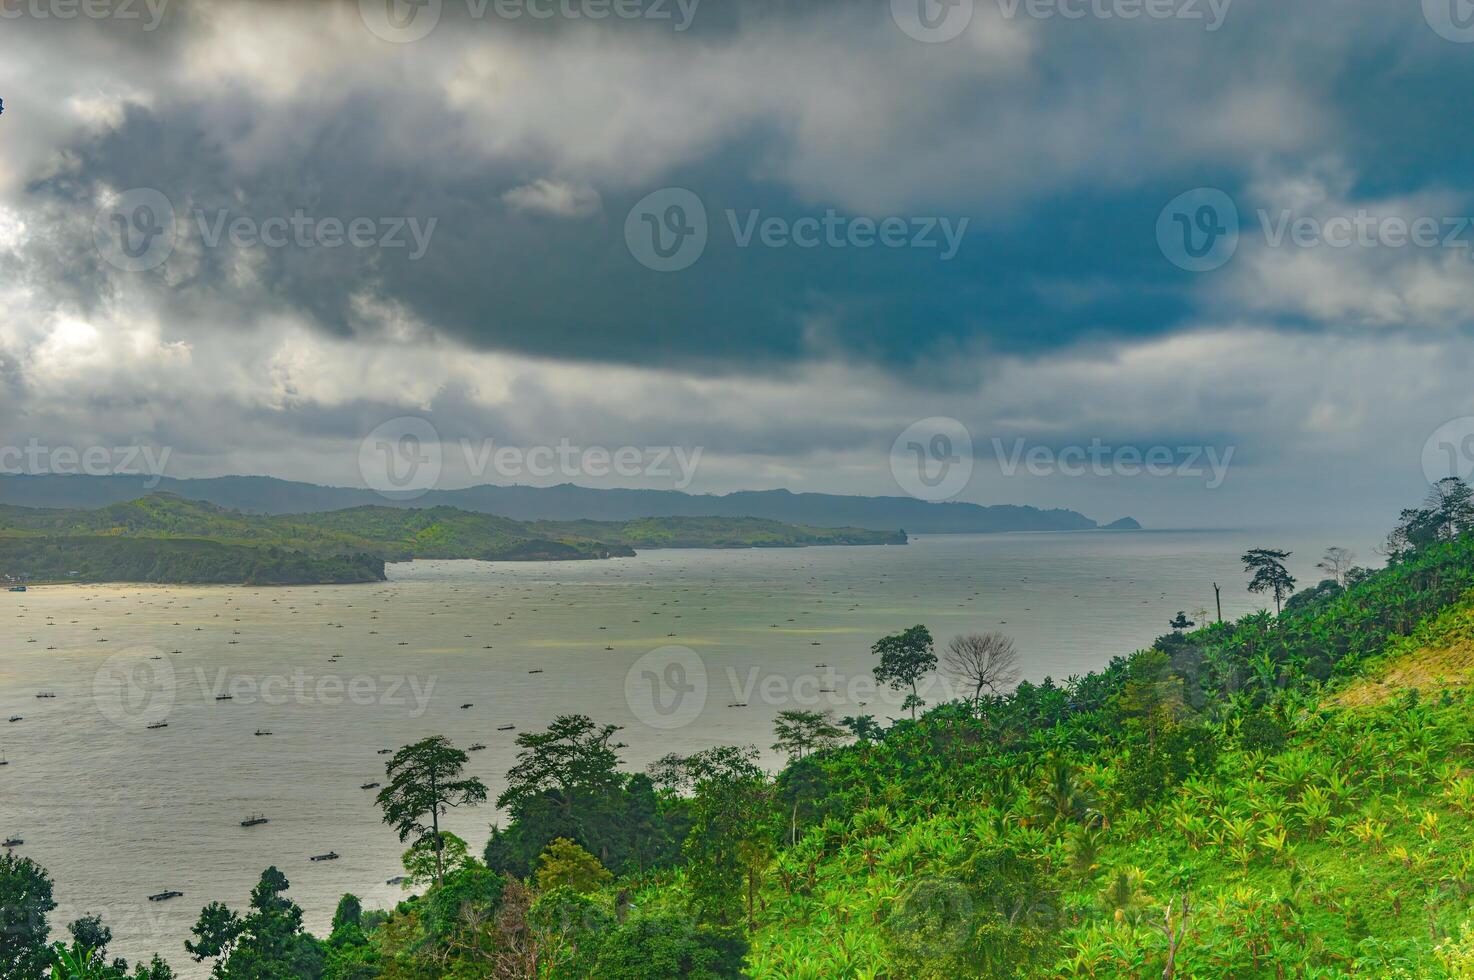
183 561
166 538
1242 801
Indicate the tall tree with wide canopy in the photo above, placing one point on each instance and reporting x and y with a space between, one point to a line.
424 783
905 658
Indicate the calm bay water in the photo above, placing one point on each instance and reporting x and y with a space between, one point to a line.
117 811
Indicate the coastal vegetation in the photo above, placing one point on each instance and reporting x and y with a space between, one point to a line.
1282 795
167 538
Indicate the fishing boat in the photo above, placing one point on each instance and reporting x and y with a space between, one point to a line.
505 728
476 748
224 697
465 706
385 751
538 671
46 694
369 786
165 896
11 842
262 731
329 856
158 724
254 821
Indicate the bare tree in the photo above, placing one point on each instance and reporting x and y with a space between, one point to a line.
1337 562
986 661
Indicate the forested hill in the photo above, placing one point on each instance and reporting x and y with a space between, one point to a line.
1283 796
167 538
266 495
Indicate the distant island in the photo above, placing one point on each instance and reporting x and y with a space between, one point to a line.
166 538
566 502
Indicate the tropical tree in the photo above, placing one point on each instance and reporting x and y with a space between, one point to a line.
802 732
566 864
905 658
424 783
25 901
1270 574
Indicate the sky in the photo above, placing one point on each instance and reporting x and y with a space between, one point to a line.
1204 263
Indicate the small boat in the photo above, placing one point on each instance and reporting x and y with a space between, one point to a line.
505 728
465 706
397 880
385 751
329 856
539 671
46 694
158 724
14 718
369 786
476 748
4 761
165 896
11 842
17 588
224 697
255 821
262 731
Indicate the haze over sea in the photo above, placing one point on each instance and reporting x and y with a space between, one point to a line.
117 811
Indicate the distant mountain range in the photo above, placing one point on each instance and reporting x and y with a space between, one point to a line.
566 502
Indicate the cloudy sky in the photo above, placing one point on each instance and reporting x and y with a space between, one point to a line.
781 232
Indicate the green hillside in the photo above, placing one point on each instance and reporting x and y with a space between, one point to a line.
167 538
